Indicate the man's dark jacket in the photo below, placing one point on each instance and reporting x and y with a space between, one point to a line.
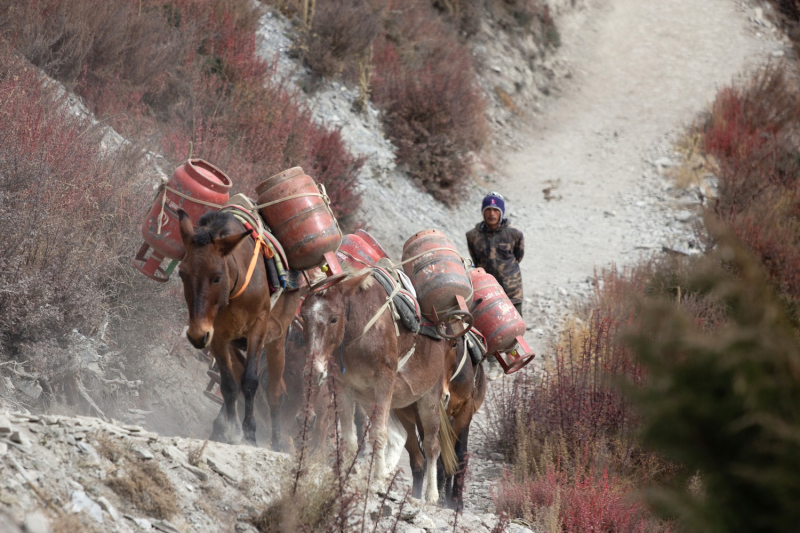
499 252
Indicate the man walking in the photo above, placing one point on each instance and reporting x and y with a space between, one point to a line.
497 247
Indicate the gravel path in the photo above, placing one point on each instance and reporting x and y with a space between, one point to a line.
641 72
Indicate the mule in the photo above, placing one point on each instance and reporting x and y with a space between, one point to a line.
235 318
467 390
364 362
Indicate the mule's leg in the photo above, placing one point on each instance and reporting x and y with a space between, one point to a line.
379 437
249 388
226 425
456 496
350 430
415 456
428 407
276 360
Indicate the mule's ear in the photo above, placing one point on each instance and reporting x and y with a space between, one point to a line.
227 245
186 226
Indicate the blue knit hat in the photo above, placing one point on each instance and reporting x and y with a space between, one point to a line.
494 200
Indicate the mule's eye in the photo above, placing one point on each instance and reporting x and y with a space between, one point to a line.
216 280
334 320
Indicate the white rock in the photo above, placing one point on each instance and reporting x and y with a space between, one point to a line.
5 426
141 522
777 53
107 507
683 216
36 522
3 449
222 469
19 438
81 502
424 521
143 453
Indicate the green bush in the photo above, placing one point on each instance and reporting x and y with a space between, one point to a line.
724 403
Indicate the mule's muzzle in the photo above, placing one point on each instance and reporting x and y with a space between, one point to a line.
200 342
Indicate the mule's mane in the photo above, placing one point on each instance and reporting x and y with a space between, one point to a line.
352 273
213 225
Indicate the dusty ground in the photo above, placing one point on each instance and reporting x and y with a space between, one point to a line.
641 72
586 185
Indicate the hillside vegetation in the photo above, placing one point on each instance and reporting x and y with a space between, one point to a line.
412 59
670 400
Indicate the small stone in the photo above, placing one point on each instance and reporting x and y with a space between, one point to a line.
683 216
81 502
223 470
5 426
86 448
36 522
202 475
107 507
143 453
497 456
141 522
3 449
19 438
664 162
424 521
609 214
777 53
409 512
165 525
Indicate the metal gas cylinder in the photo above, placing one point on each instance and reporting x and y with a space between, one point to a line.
369 239
299 216
498 320
193 182
495 315
443 287
360 250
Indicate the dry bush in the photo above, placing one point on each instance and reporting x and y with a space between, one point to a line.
433 110
196 453
123 56
146 487
752 132
571 432
70 523
340 35
180 73
68 211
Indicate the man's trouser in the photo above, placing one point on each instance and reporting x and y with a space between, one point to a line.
519 308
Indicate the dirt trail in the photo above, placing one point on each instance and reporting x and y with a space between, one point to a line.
641 70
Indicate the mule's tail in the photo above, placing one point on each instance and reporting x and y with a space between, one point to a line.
447 442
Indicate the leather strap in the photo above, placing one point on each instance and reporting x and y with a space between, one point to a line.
250 269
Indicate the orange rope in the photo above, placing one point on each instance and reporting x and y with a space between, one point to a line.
251 268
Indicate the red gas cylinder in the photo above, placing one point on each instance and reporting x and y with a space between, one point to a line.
196 180
301 219
357 252
369 239
498 320
443 287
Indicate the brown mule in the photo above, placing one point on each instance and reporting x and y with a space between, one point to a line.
229 314
467 391
365 365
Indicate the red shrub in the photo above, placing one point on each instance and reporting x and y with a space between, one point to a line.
752 132
433 110
67 210
181 72
592 500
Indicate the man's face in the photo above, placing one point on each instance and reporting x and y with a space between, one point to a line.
492 216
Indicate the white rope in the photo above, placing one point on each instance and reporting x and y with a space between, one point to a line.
403 360
463 358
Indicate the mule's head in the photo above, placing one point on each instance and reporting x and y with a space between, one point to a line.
207 282
325 316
